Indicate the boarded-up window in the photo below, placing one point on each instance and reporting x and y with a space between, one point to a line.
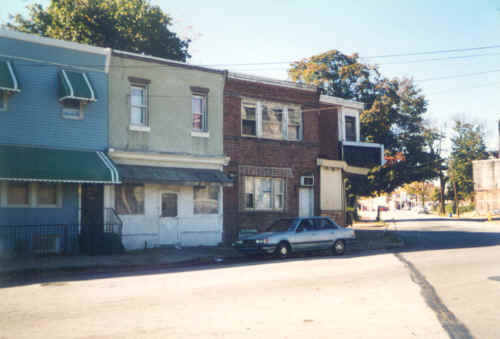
206 200
129 199
18 193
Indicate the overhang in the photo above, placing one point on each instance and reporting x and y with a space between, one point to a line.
8 80
342 165
75 86
172 175
52 165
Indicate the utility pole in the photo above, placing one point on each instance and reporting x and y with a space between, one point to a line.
454 188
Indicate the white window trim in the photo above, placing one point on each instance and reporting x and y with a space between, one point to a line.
72 117
342 125
284 121
271 209
142 127
32 197
5 95
200 134
204 114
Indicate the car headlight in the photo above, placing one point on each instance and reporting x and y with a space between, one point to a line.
239 242
262 241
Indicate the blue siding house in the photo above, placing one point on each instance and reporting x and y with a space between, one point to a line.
53 139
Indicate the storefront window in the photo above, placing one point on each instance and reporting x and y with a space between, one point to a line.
129 199
206 200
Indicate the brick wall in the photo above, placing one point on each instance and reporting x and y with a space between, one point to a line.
291 157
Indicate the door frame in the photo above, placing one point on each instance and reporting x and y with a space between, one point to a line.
310 190
164 220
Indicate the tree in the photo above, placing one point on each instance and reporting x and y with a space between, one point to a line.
393 116
467 145
129 25
423 190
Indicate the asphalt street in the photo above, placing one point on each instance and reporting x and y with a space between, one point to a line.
446 283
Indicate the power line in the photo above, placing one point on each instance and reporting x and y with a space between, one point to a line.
459 75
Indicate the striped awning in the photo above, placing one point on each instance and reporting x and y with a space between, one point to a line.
54 165
8 80
75 86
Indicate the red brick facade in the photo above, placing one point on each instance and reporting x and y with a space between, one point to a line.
271 158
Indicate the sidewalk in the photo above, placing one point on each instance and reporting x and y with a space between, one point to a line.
370 236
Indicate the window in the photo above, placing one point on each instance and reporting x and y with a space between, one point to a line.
47 194
129 199
262 193
249 119
139 105
169 205
199 108
294 122
72 109
206 200
323 224
350 128
18 193
271 120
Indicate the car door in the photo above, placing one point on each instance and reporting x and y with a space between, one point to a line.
329 232
304 238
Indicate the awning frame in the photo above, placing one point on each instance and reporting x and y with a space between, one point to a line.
72 92
13 77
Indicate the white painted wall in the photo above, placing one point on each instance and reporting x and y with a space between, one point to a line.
331 189
187 229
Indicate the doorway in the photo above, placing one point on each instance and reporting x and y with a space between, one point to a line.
306 202
169 221
92 217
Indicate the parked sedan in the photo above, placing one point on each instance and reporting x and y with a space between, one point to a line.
297 235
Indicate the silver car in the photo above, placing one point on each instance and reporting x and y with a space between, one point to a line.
297 235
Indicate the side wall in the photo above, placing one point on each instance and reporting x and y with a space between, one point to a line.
486 174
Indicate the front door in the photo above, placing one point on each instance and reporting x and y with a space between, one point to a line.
306 202
92 216
169 221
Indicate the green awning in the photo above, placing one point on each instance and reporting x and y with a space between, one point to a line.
8 80
76 86
41 164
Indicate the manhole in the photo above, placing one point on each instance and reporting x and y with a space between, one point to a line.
495 278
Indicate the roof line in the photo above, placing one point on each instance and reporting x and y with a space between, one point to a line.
271 81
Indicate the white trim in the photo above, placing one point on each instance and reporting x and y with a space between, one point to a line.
139 128
168 160
9 34
88 69
71 92
13 76
200 134
328 99
342 165
90 86
271 81
111 168
108 60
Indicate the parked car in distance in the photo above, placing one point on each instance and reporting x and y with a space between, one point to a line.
420 210
289 235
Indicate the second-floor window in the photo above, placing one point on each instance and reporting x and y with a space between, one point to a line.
199 108
350 128
138 105
271 120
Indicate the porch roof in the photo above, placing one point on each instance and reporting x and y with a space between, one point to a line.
172 175
19 163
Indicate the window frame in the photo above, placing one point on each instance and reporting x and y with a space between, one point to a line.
5 98
161 204
145 88
58 195
348 112
273 194
204 113
33 188
259 121
29 193
79 110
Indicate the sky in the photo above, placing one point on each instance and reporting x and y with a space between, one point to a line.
227 33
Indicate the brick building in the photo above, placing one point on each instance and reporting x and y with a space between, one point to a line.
285 144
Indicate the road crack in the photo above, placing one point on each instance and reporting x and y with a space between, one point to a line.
454 327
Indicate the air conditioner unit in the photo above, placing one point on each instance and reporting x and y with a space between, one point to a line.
307 181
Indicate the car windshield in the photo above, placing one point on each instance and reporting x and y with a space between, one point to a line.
281 225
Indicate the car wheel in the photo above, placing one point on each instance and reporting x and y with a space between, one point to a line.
338 247
283 250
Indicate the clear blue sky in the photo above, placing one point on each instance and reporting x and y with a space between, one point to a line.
236 32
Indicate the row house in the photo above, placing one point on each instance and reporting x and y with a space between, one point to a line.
290 149
53 144
102 150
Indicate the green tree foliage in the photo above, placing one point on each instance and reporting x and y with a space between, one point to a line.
129 25
393 116
467 145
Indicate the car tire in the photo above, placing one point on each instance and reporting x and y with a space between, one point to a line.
338 247
282 251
